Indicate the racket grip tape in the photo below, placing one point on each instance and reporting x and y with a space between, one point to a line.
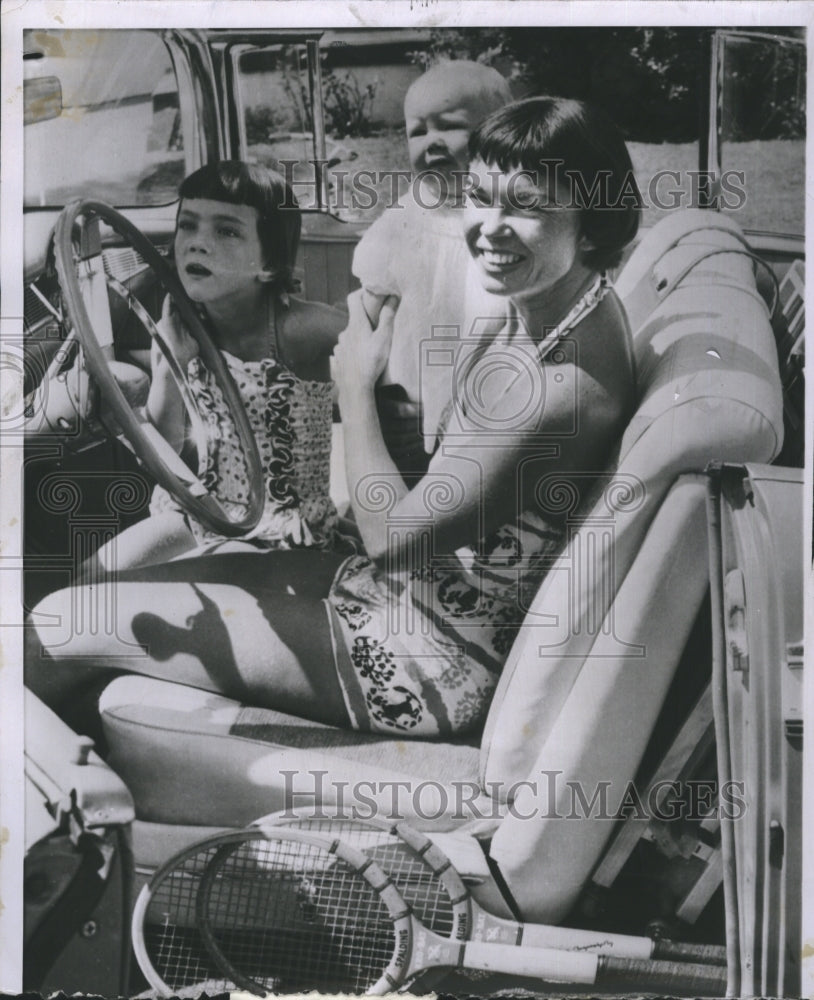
699 980
541 963
681 951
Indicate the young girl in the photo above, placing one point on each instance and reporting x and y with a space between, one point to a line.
236 240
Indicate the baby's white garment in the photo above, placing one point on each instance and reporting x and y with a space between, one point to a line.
420 255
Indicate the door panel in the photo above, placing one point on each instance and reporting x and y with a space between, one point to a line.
759 634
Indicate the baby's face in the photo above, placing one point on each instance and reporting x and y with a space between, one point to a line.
438 129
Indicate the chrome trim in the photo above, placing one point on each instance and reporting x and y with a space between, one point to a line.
318 116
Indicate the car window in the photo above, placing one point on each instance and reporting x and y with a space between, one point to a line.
277 115
117 134
762 132
365 76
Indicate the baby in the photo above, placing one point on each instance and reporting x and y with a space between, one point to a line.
415 251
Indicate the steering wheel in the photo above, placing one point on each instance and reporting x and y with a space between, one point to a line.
85 285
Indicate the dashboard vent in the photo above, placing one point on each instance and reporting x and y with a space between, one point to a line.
123 263
794 728
35 310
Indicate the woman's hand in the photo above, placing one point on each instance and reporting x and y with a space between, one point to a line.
362 352
176 336
358 361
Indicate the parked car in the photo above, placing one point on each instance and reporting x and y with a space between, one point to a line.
675 615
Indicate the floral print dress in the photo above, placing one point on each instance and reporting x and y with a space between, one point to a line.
420 652
291 421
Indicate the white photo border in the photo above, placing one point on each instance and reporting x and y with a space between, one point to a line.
17 15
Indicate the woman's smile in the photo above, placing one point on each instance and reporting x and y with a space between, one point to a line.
524 241
497 260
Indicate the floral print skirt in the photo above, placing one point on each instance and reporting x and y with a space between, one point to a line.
421 654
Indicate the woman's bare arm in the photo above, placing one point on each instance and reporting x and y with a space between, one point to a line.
551 419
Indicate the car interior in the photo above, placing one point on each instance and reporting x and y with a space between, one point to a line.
661 657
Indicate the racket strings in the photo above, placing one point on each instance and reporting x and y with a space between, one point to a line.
415 881
171 937
289 916
420 888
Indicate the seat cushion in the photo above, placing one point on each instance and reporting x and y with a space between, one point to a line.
193 757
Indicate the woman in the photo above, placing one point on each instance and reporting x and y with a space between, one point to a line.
416 633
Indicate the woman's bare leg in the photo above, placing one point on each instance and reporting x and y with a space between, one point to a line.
252 627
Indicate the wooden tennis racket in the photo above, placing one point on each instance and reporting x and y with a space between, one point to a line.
166 940
284 911
440 899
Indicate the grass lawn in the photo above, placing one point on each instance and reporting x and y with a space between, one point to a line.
773 177
773 180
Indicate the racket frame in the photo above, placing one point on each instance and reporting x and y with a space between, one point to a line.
416 948
402 922
474 923
147 896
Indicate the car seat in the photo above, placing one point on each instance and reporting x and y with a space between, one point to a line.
587 676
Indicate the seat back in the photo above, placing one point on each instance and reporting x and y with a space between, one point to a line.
587 676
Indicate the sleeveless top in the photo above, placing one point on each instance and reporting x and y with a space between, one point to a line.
420 652
291 421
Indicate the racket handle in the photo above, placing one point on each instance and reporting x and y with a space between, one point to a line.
680 951
620 945
539 963
698 980
589 942
576 967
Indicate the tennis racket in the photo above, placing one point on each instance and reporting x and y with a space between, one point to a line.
166 941
284 911
439 898
261 913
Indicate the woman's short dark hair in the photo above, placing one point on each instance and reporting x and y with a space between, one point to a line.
577 145
279 221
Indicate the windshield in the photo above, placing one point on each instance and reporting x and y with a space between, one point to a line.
117 135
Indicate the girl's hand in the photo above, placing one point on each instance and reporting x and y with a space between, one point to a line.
182 344
362 352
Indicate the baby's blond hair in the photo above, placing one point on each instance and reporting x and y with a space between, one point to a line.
481 81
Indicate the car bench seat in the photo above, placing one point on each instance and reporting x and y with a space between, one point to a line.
587 676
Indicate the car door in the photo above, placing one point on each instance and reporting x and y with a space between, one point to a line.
757 134
270 91
756 567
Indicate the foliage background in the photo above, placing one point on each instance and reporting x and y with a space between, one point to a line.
649 80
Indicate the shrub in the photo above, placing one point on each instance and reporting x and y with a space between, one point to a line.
261 122
348 105
649 80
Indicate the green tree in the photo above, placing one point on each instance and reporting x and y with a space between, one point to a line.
647 79
651 81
